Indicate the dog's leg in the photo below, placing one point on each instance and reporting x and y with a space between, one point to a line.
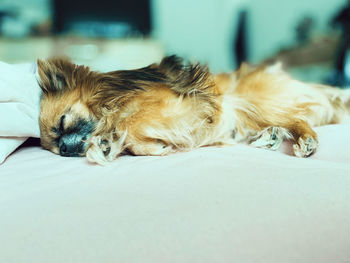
270 138
305 137
151 147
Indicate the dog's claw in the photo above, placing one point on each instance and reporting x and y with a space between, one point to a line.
305 147
270 138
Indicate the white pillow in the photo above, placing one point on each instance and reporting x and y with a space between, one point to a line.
8 145
19 106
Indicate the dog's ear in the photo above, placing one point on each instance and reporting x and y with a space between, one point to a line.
244 70
276 68
55 75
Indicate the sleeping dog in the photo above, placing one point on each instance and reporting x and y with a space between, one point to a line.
173 106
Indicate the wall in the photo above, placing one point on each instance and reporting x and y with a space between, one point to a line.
203 29
200 30
272 22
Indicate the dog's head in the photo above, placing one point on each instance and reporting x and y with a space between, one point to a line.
66 118
77 103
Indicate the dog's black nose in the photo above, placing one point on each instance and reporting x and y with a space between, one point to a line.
63 149
70 146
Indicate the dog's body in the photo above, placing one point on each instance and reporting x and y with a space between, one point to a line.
171 107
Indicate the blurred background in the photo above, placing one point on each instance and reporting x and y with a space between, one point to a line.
310 37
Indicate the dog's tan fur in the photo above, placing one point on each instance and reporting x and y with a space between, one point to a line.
171 107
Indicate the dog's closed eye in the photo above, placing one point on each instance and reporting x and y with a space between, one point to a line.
61 124
59 129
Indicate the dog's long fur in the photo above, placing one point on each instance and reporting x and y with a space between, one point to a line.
173 106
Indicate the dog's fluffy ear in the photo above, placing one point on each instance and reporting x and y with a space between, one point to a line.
55 75
275 68
244 70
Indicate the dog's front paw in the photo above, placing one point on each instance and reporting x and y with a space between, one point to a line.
98 150
270 138
305 146
104 146
105 149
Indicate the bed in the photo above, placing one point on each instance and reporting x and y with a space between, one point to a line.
233 204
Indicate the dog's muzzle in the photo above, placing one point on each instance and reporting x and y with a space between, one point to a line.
74 141
72 145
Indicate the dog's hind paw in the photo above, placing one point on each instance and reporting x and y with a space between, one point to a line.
305 146
270 138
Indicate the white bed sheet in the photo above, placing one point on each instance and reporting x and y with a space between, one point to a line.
235 204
